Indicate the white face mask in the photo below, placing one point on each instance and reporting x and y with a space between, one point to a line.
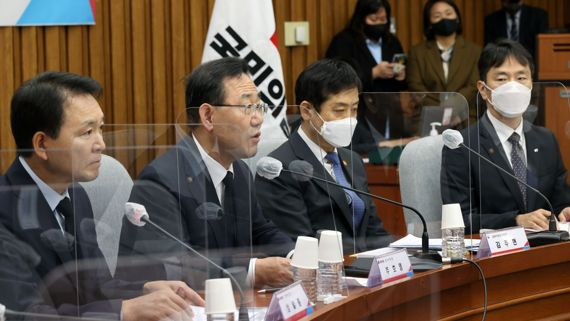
511 99
338 133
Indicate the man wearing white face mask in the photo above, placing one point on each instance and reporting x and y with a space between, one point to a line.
327 95
529 152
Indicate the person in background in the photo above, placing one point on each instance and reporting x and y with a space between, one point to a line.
370 48
518 22
445 61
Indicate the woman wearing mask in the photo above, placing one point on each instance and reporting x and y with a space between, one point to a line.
369 47
444 62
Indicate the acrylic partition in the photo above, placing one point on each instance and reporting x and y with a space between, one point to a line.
541 161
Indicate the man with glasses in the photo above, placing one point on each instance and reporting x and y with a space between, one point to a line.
327 95
203 193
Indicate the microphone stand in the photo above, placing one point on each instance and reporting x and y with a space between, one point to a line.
535 238
243 314
425 253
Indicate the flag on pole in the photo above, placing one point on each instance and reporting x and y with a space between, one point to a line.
246 29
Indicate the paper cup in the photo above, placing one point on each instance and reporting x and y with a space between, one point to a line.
219 296
330 247
306 255
451 216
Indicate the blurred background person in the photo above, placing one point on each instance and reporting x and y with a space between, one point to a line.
445 61
378 58
517 22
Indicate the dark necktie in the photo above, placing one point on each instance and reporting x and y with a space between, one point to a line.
229 206
514 32
65 208
519 165
356 203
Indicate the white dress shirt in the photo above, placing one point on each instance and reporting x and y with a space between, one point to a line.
217 173
375 48
319 153
510 23
52 197
445 55
504 132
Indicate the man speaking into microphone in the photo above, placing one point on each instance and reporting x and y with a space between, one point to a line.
527 151
327 95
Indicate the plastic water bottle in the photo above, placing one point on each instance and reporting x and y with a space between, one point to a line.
308 278
329 280
453 242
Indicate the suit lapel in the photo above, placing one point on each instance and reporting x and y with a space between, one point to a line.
338 195
199 186
533 152
456 58
434 59
491 145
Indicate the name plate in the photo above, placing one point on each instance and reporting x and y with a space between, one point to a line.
512 239
289 304
389 267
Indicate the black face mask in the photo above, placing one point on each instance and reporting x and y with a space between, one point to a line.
374 32
445 27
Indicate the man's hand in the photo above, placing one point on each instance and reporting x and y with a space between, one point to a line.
383 70
564 216
537 220
159 305
178 287
273 272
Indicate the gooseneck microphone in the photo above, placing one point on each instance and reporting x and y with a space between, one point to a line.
138 216
453 139
271 168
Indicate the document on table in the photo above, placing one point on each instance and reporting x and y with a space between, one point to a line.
413 242
255 314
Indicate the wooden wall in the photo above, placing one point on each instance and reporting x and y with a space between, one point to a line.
140 50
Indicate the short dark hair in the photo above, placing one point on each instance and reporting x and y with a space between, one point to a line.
364 8
428 32
206 83
495 54
324 78
38 105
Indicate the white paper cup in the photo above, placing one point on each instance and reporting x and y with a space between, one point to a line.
219 296
306 255
451 216
330 247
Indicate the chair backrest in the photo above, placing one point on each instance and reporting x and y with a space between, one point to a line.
420 167
108 194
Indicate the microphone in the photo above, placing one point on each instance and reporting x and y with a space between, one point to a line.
138 216
303 171
453 139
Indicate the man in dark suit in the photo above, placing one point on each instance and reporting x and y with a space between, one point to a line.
46 221
202 192
529 152
327 94
517 22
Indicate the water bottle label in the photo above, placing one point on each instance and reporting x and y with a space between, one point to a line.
390 267
289 304
503 241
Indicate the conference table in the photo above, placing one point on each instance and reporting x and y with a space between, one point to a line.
527 285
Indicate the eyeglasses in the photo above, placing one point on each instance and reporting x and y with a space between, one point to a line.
248 109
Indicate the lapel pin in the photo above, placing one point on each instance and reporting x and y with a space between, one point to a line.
344 163
536 150
491 150
189 179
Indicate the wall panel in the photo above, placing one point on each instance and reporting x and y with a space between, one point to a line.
141 50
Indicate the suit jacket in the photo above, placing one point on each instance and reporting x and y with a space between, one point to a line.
44 278
425 70
494 197
352 48
532 22
304 207
177 192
